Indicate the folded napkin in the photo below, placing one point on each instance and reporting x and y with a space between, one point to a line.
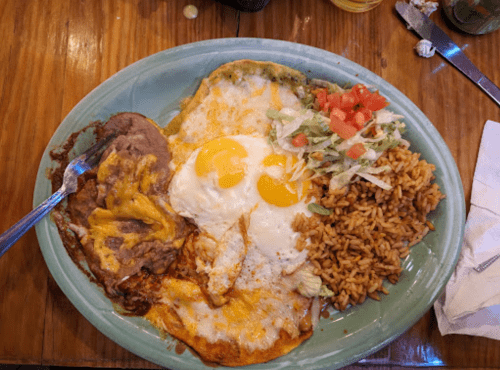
471 300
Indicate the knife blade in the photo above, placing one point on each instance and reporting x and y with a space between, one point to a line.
428 30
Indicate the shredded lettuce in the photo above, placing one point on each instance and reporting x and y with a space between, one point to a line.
384 116
387 143
316 208
375 180
325 292
274 114
331 87
325 152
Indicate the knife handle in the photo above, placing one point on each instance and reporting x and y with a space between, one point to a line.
490 88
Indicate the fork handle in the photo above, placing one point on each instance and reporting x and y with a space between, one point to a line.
12 235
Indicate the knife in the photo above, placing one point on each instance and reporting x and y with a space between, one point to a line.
446 47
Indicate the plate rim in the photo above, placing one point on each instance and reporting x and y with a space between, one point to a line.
101 322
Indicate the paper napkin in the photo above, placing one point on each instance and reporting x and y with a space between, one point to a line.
471 301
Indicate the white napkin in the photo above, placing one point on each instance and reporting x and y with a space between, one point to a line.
471 301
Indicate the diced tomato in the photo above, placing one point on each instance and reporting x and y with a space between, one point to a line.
361 91
349 114
334 100
354 124
359 119
356 151
348 100
366 112
375 102
342 129
340 114
334 122
300 140
321 96
356 119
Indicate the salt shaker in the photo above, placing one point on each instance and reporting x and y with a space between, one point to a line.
476 17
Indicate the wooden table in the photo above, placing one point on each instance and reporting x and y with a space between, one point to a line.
55 52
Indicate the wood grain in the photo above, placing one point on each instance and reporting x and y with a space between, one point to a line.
54 53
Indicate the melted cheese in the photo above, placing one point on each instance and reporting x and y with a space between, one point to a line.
251 318
230 109
244 305
128 200
276 102
221 260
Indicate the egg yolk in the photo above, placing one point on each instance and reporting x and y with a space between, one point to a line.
277 188
224 157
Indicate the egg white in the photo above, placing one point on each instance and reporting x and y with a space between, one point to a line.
216 212
245 246
270 231
215 209
231 109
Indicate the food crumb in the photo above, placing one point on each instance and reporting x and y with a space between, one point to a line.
425 49
345 331
190 11
180 348
426 7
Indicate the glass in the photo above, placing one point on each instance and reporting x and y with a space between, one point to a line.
356 6
476 17
246 5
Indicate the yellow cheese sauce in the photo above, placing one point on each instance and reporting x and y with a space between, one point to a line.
276 102
245 298
251 318
128 199
230 109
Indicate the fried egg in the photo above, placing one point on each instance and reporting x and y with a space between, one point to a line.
229 108
241 305
238 193
236 190
217 184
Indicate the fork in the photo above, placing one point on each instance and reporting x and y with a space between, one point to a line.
84 162
483 266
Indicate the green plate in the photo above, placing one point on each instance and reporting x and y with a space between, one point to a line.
154 86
